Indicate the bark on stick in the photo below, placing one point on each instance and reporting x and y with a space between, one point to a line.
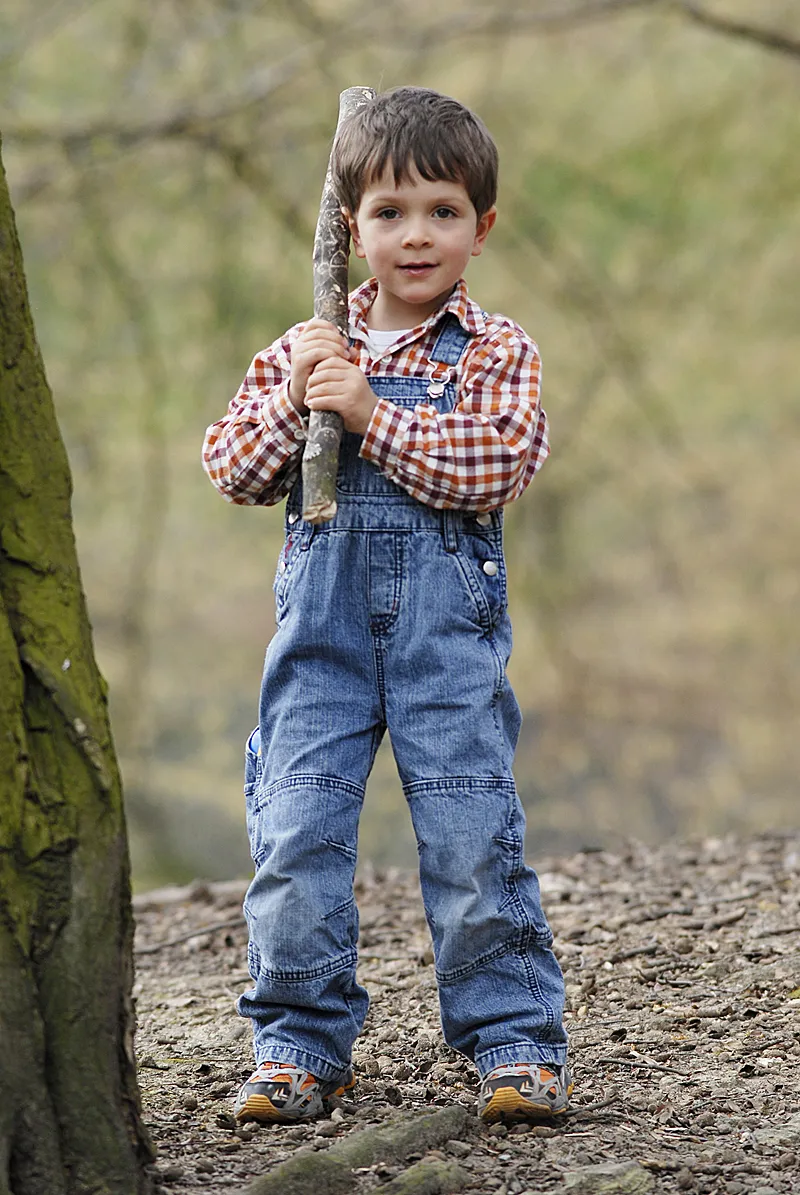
331 251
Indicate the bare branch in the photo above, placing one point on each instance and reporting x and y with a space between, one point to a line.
559 17
264 82
769 39
260 86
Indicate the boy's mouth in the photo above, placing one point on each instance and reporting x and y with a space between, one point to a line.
418 267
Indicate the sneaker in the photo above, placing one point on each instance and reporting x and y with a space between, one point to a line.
524 1091
282 1092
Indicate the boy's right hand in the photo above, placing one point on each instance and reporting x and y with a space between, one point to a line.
319 341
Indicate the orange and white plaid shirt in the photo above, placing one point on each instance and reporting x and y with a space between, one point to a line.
477 457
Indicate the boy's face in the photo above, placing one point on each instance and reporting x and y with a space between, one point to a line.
417 238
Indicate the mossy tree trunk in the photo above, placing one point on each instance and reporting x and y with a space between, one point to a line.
69 1104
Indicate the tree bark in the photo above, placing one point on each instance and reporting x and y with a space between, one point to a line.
331 251
70 1121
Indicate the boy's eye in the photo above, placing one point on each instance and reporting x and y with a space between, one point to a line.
388 213
443 213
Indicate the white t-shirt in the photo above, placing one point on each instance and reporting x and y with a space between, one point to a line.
379 342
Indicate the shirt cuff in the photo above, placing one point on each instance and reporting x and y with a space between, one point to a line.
283 421
384 435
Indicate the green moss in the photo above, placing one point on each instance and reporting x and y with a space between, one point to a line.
65 915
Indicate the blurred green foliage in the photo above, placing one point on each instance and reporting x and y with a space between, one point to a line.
166 161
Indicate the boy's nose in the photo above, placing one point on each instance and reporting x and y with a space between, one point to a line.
417 232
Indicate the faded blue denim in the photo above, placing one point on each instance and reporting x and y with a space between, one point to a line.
387 619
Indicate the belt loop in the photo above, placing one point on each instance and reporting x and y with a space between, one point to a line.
449 531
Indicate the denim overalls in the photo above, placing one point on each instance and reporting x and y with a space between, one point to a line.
393 615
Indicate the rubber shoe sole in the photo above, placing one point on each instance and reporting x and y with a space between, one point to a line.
517 1094
285 1095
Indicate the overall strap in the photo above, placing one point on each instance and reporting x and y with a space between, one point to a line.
451 341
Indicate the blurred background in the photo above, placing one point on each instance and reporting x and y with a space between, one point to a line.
166 159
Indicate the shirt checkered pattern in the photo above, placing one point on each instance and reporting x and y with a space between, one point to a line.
477 457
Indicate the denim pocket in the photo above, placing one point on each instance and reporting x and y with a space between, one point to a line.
253 768
294 548
480 559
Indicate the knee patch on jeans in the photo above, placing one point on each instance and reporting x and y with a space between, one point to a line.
481 899
300 906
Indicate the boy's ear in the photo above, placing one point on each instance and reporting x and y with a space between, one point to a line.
484 227
355 237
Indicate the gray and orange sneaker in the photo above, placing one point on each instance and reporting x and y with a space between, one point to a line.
521 1091
279 1092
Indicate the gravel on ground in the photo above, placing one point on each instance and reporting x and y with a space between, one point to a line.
682 966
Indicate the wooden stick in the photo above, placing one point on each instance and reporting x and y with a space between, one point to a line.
331 251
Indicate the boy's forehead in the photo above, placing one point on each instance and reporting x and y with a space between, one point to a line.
385 186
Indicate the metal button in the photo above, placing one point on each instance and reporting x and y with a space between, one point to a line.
483 520
300 434
293 517
282 567
490 568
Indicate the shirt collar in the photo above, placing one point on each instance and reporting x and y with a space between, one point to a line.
458 303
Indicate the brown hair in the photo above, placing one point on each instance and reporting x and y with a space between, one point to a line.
413 127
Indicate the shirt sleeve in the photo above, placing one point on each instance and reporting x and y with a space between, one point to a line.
483 453
253 454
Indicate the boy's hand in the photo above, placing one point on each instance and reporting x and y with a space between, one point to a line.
338 385
318 341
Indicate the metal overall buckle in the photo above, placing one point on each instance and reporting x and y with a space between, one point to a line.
439 376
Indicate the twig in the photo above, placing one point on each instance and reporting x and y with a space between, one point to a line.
633 952
768 39
646 1066
231 923
725 919
583 1109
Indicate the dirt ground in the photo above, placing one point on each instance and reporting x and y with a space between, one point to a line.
683 978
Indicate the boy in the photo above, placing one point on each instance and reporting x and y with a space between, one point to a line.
393 616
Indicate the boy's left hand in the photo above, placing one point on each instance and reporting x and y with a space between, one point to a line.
338 385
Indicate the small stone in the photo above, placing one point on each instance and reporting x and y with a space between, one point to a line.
204 1166
393 1095
297 1133
685 1179
225 1120
326 1128
786 1134
338 1115
189 1102
627 1177
519 1130
221 1089
498 1130
171 1174
459 1149
543 1130
229 1147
